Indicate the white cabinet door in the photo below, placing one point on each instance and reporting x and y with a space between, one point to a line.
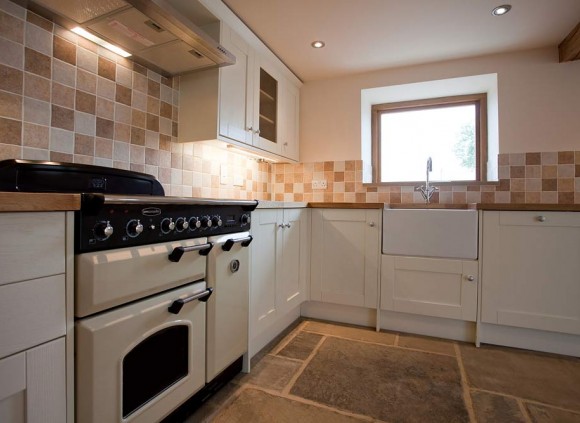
293 271
32 385
345 256
236 100
289 112
531 270
267 90
431 287
265 262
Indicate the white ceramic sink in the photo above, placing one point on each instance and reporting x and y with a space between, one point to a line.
447 233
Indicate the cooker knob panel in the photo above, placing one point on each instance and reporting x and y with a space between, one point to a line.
103 230
167 225
216 222
181 224
206 222
134 228
194 223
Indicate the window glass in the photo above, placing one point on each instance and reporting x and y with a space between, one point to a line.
446 134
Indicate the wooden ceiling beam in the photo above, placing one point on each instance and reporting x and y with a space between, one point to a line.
569 48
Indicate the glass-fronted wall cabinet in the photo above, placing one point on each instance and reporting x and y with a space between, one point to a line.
268 106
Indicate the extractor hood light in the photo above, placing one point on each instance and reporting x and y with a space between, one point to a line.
86 34
318 44
501 10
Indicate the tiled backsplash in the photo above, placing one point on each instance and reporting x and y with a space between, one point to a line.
63 98
524 178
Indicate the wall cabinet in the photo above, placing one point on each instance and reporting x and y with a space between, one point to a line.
345 256
249 104
280 263
531 270
33 318
430 286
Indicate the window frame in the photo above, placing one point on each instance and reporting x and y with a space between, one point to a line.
479 100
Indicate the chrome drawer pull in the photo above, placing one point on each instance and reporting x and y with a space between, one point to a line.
177 253
177 305
541 218
230 242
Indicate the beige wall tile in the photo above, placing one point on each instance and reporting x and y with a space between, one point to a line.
38 39
12 54
10 105
36 87
11 27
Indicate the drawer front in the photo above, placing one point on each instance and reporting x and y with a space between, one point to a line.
32 245
539 219
31 313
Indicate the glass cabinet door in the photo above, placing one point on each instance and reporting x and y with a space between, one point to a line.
268 106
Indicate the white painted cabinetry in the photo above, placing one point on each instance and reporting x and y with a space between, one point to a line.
33 318
531 270
345 256
430 286
280 263
250 104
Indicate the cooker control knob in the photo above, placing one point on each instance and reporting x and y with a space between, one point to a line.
216 221
206 222
103 230
167 225
194 223
245 219
181 224
134 228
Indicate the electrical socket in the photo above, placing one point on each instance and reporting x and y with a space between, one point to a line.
322 184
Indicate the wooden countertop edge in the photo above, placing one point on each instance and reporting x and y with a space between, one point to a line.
346 205
38 202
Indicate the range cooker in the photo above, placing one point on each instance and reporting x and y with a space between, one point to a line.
161 289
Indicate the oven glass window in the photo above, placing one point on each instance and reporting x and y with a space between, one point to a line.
153 366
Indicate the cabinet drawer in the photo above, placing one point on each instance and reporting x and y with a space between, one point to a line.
539 218
32 245
31 313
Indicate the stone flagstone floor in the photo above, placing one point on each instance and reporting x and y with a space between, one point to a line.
324 372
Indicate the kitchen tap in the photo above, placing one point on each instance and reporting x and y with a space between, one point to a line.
427 190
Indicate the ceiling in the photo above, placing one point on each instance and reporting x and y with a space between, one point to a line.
366 35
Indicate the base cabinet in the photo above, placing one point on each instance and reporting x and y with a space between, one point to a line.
430 286
280 262
531 270
345 256
33 387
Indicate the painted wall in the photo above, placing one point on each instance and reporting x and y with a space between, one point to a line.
539 103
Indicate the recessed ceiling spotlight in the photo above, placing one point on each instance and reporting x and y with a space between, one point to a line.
317 44
501 10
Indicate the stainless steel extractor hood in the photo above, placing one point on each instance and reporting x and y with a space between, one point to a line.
164 35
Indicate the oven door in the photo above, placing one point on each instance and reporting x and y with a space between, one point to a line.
227 312
139 362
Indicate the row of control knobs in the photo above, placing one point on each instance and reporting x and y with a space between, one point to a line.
104 230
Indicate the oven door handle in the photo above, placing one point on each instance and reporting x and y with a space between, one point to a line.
245 241
177 252
177 305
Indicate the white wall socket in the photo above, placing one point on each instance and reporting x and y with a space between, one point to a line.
322 184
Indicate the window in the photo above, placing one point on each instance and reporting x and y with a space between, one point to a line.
450 130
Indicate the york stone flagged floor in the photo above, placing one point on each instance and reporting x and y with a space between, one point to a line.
325 372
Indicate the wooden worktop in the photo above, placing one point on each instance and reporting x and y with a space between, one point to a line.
346 205
38 202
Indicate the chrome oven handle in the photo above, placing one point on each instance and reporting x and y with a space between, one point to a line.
177 252
177 305
245 241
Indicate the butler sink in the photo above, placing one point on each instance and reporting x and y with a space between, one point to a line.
446 233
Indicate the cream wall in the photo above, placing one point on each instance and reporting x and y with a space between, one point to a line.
539 103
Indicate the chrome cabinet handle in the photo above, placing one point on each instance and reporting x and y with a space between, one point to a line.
177 305
230 242
281 225
257 131
288 225
470 278
541 218
178 252
249 128
372 224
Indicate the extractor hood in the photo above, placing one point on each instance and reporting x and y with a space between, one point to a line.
164 35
